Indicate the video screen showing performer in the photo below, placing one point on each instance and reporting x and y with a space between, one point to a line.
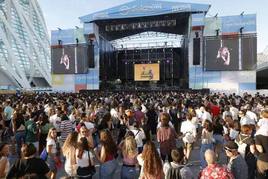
63 60
222 54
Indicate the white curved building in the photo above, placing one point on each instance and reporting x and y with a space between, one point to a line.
24 46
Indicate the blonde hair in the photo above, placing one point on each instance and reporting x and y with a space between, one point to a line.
70 143
49 136
130 146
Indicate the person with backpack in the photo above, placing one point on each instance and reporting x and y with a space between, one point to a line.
28 166
176 169
246 148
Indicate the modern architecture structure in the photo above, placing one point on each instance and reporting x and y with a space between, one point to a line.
24 46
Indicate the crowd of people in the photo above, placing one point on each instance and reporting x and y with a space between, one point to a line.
97 134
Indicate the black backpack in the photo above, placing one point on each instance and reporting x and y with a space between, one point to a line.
174 173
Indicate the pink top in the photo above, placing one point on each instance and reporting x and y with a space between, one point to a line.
167 139
130 160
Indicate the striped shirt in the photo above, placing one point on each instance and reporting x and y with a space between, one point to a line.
66 128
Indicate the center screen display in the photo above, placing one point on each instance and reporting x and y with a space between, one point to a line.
146 72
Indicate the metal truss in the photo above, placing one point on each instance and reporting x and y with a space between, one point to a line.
149 40
24 43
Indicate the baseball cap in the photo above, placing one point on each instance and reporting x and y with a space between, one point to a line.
231 145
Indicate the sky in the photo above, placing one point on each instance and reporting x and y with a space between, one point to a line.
64 13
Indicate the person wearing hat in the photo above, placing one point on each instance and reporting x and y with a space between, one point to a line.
237 163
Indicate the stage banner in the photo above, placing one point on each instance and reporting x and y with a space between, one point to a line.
145 8
146 72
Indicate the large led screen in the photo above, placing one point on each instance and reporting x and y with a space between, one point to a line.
249 53
222 54
146 72
82 59
69 59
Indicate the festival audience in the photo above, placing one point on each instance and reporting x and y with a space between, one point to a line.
131 119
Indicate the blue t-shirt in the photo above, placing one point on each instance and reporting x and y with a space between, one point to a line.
8 112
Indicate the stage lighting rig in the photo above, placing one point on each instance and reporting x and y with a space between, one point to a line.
241 30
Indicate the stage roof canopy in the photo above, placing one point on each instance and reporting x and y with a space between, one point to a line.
147 40
143 8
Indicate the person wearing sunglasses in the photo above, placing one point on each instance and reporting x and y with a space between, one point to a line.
237 163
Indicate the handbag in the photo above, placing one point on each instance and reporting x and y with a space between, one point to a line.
44 154
90 170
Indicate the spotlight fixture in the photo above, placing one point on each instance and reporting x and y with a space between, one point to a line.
241 30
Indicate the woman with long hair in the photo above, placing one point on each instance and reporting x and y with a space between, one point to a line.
68 150
84 132
106 155
84 158
53 152
206 141
129 152
150 161
4 163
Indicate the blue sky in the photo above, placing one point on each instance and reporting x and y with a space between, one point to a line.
65 13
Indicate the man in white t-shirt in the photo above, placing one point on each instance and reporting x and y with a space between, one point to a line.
252 115
234 112
205 115
56 120
188 130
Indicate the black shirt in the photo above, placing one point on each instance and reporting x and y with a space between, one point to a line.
33 166
218 129
263 141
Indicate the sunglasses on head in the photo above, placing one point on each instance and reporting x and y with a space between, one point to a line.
230 150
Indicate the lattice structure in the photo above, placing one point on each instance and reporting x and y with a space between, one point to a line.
24 44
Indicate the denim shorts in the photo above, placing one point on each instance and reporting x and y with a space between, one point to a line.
218 139
51 163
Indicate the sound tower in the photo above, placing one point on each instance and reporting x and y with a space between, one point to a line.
196 51
90 55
